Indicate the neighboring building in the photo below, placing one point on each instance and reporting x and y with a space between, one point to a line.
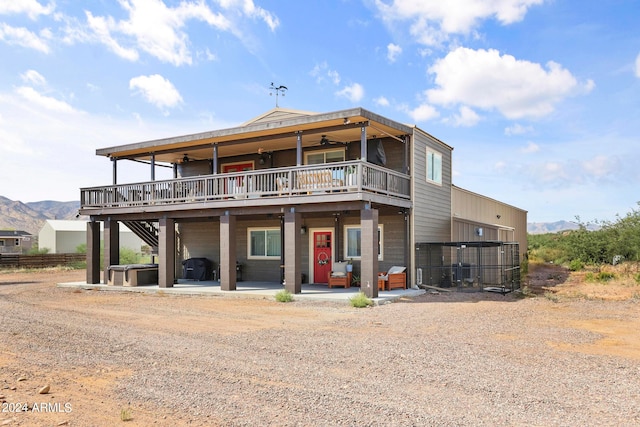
64 237
285 195
15 242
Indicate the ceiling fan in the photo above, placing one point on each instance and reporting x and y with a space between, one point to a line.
326 141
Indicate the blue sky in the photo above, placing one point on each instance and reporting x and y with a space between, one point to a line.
539 98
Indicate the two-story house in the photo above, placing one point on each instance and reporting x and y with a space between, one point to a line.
283 196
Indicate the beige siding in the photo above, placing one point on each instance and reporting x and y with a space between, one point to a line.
498 220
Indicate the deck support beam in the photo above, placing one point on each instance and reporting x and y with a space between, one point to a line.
93 252
228 253
167 253
369 252
111 246
292 252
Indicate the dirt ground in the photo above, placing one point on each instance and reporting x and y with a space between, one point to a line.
86 391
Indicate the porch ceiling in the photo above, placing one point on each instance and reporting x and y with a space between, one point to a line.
266 135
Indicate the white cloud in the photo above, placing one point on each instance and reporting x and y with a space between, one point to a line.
160 30
487 80
466 117
601 166
353 93
517 129
43 101
381 101
156 90
252 11
423 113
322 72
101 29
393 51
23 37
33 77
31 8
531 147
433 21
638 66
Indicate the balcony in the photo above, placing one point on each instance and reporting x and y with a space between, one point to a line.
305 184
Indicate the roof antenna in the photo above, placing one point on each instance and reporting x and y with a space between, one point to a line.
278 90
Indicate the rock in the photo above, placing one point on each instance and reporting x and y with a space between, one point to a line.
44 390
22 379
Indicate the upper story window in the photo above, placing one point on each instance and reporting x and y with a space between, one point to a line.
324 156
264 243
434 167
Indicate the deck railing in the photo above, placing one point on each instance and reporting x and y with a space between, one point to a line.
351 176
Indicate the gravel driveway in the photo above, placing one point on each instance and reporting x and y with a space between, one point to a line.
439 359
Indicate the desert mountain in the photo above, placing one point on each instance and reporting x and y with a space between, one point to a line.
30 217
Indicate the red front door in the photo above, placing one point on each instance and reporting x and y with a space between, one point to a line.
321 256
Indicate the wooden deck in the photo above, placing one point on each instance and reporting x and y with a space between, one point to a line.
336 179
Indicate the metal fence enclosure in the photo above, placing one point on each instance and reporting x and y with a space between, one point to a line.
472 266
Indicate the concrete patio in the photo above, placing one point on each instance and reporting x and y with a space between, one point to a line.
262 290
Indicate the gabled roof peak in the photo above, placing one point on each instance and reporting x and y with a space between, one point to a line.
276 114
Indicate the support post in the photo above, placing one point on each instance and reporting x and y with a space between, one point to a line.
292 254
298 148
369 252
111 246
363 143
228 253
93 252
214 163
167 253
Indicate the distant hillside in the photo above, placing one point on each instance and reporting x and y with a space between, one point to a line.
553 227
31 216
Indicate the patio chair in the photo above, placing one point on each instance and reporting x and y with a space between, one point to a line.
394 278
338 276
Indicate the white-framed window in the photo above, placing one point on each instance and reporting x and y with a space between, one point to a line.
324 156
352 242
434 167
264 243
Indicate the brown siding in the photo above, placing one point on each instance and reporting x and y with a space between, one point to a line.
431 202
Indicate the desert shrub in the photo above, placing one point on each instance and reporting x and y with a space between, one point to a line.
576 265
605 276
284 296
360 300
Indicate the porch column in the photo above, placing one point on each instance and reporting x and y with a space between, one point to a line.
292 252
111 246
298 148
228 252
114 170
167 253
214 162
369 252
93 252
363 143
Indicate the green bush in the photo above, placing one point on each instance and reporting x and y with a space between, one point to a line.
605 276
576 265
618 239
360 300
284 296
